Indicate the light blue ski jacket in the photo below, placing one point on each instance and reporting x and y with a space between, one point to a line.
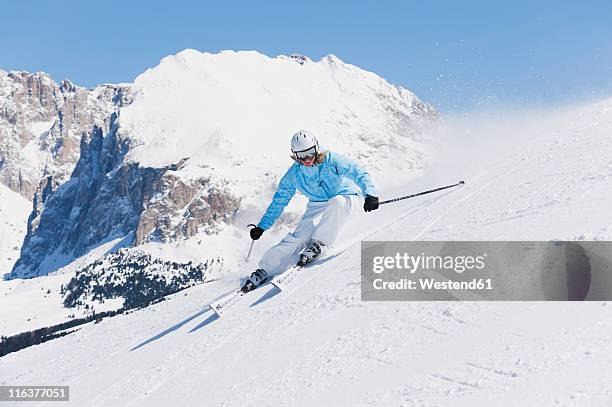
337 175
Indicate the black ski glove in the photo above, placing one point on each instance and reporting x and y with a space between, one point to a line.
256 232
371 203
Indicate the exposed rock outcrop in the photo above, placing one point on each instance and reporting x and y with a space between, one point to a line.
183 208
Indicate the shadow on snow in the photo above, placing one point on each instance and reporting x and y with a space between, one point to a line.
172 328
271 293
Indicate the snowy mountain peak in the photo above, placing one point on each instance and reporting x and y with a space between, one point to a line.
194 102
333 59
300 59
67 86
42 77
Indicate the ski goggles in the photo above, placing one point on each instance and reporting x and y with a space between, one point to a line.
306 154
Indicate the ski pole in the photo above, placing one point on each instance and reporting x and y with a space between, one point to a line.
421 193
252 242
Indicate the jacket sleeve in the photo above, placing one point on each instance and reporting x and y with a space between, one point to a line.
346 166
284 193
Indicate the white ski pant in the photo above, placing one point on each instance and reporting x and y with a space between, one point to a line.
321 221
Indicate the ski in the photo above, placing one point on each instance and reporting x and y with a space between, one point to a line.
222 304
282 281
225 302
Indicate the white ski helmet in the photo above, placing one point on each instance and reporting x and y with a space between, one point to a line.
302 142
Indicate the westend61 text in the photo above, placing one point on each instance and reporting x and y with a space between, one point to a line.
431 284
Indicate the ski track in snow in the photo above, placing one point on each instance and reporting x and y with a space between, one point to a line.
319 344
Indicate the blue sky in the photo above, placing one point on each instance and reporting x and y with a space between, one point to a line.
459 56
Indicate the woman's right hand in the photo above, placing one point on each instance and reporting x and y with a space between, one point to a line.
256 232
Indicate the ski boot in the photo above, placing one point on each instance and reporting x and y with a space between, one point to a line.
313 251
255 280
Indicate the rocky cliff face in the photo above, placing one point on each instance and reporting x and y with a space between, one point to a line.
42 124
108 198
182 208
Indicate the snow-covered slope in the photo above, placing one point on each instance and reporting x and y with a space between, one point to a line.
27 305
14 211
319 344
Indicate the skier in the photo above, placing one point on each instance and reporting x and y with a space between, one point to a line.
328 179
